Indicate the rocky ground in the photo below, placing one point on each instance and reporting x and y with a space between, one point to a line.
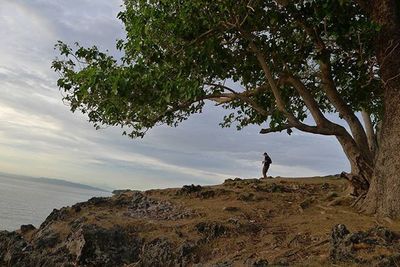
272 222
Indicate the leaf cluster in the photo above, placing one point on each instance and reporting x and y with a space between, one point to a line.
177 54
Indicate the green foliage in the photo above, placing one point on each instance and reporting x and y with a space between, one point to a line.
179 53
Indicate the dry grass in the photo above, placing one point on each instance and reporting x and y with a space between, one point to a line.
259 223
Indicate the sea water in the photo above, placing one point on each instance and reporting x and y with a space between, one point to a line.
26 201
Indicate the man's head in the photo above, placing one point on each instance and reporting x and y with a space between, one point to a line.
265 154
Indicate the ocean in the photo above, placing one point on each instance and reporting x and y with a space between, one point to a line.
30 201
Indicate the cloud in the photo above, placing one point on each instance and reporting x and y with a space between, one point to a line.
40 136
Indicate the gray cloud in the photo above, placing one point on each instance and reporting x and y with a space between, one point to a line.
40 136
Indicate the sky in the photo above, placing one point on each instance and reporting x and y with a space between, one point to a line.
40 137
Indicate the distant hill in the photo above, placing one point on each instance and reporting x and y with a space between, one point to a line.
53 181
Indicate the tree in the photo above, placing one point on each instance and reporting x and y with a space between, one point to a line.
384 193
269 62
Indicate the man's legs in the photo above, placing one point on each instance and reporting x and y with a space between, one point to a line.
265 169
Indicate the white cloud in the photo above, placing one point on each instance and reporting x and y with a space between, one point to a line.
39 136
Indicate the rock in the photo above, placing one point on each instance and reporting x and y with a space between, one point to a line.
211 230
77 223
277 188
233 220
77 208
158 253
252 181
306 203
97 201
231 209
246 197
206 194
186 254
96 246
346 246
325 186
256 263
142 206
26 228
281 262
14 250
228 182
121 191
223 264
389 261
55 215
189 189
46 239
250 227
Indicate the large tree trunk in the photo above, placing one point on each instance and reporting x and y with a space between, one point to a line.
383 197
361 167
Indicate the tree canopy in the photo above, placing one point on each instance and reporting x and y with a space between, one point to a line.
268 62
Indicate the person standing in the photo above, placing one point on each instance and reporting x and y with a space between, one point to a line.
266 162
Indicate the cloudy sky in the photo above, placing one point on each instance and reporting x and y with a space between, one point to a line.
39 136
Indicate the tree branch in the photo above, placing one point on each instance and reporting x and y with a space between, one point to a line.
331 92
308 99
372 140
245 97
276 129
293 121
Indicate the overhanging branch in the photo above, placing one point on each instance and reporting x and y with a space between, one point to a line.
276 129
244 96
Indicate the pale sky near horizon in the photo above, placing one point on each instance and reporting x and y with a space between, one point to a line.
39 136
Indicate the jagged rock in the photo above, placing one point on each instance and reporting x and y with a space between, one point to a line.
233 221
325 186
389 261
211 230
340 243
142 206
26 228
346 246
186 254
121 191
256 263
77 208
277 188
99 201
77 223
14 250
207 194
306 203
96 246
251 181
249 227
246 197
231 209
223 264
46 239
228 181
55 215
189 189
158 253
260 263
